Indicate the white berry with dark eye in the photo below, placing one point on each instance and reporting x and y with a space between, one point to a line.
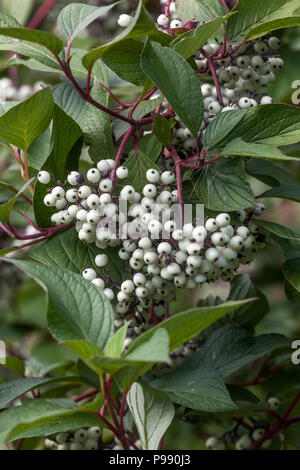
175 24
122 172
152 175
93 175
44 177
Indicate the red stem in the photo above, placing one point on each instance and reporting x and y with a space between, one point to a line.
41 14
124 106
177 162
161 443
225 4
18 157
282 424
292 406
142 98
167 8
120 152
88 394
33 224
122 410
19 444
86 96
216 81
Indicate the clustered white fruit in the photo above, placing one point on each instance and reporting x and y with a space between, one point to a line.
9 92
177 357
82 439
162 255
244 441
243 82
243 74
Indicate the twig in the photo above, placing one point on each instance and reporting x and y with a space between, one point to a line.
121 149
41 14
88 394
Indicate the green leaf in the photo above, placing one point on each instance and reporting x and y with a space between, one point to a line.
6 208
199 10
291 271
7 20
186 325
155 349
279 230
4 107
98 128
188 43
42 38
198 389
284 192
52 425
152 412
66 251
265 28
22 124
77 309
116 343
29 412
270 174
67 98
248 315
223 186
88 374
178 82
15 364
42 417
39 150
197 383
124 59
163 129
11 390
76 17
221 127
230 348
67 141
274 124
25 48
29 49
138 165
254 13
19 9
150 147
146 107
292 294
141 25
251 149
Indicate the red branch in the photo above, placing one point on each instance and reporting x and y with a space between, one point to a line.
41 14
216 81
282 424
88 394
177 162
121 149
167 8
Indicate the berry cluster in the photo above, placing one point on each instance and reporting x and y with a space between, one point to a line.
8 92
84 439
79 440
163 254
244 441
243 80
177 357
243 75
